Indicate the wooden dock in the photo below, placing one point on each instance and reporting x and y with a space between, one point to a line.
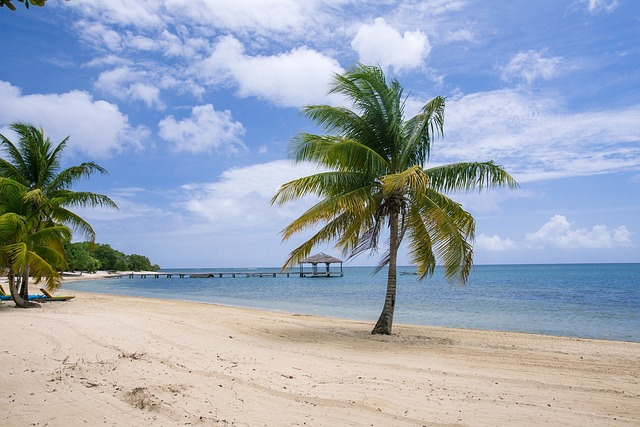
213 274
228 274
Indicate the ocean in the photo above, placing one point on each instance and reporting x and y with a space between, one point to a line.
576 300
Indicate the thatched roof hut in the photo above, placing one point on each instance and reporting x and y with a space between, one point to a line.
320 258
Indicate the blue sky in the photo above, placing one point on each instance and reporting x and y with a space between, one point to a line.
190 106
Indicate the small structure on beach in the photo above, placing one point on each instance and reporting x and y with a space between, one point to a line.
321 258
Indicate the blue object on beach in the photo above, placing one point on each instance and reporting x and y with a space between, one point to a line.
6 297
31 297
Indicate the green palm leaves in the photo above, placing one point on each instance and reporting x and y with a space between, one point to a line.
377 177
27 244
35 215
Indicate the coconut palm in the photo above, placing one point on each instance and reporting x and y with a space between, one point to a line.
34 163
376 177
27 249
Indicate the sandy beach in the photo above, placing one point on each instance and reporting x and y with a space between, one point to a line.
113 360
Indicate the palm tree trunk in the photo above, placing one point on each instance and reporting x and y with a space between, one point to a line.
16 294
385 321
24 285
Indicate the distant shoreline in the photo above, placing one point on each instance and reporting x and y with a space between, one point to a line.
76 277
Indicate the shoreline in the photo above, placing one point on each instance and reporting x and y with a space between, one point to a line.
145 361
102 275
70 277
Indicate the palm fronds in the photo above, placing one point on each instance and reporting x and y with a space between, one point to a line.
376 177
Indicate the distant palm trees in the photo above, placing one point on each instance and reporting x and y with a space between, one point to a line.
35 219
377 177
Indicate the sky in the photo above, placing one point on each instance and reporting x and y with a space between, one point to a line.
191 107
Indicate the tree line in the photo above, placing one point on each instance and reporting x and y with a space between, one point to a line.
91 257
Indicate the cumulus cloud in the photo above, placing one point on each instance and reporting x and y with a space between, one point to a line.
100 35
530 66
494 243
242 196
558 232
96 128
290 79
205 131
382 44
125 83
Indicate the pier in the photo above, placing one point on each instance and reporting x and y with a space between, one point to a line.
213 274
315 271
228 274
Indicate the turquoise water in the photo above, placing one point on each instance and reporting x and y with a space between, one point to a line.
577 300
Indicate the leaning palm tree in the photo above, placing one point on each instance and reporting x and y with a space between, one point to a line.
376 177
34 162
27 250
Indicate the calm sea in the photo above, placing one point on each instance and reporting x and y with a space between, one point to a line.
577 300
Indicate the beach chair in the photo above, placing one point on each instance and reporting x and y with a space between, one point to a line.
48 297
6 297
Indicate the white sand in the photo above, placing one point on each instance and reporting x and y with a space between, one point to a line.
112 360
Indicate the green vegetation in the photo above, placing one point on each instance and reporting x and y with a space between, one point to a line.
89 257
35 220
377 178
30 244
26 3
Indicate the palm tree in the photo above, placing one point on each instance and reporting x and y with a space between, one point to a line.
376 176
23 251
34 163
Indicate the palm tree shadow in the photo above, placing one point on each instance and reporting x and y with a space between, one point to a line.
355 335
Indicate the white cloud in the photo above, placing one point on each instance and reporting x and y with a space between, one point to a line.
530 66
108 60
383 45
242 196
125 83
597 6
96 128
558 232
459 35
488 201
254 18
494 243
205 131
100 35
129 207
141 13
535 139
253 15
290 79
